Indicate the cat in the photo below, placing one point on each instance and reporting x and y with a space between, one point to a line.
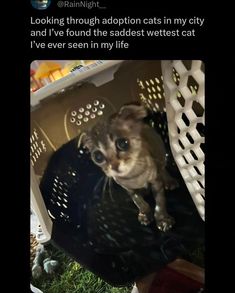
133 154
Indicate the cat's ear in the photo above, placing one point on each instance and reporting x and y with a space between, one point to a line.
132 112
85 140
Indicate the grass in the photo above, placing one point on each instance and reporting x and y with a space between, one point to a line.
70 277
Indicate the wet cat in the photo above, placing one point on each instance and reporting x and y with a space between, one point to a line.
133 154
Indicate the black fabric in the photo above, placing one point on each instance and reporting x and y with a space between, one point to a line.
96 223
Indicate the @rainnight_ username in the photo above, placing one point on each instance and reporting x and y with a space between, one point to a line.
79 4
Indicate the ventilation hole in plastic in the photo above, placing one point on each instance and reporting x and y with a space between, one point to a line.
80 116
189 137
72 119
94 110
102 106
192 84
193 89
149 90
73 113
198 109
85 119
202 146
154 96
140 83
194 155
147 82
180 99
96 103
181 145
187 64
176 76
200 184
88 106
142 97
159 96
157 106
158 88
99 113
202 196
58 204
201 129
78 123
151 81
87 113
178 130
52 201
157 80
64 205
150 97
185 119
175 79
92 116
197 170
155 109
153 89
185 160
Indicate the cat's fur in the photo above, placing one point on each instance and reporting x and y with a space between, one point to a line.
133 154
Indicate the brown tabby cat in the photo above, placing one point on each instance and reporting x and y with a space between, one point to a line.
133 154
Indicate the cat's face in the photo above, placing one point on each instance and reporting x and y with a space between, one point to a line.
115 144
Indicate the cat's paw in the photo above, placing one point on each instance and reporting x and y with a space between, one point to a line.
166 223
144 219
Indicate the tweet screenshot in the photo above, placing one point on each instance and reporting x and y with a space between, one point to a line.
117 148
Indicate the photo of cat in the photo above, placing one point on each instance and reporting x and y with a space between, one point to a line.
117 174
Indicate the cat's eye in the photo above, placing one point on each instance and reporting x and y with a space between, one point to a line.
98 157
122 144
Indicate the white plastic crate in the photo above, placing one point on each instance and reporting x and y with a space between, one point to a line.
98 73
185 107
171 90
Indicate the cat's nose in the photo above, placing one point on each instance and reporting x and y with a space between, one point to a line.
114 166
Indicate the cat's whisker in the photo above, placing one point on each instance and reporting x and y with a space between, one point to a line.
104 186
98 183
110 189
139 162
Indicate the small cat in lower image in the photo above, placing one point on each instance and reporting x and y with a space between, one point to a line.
133 154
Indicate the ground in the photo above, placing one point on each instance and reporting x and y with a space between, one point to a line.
70 277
